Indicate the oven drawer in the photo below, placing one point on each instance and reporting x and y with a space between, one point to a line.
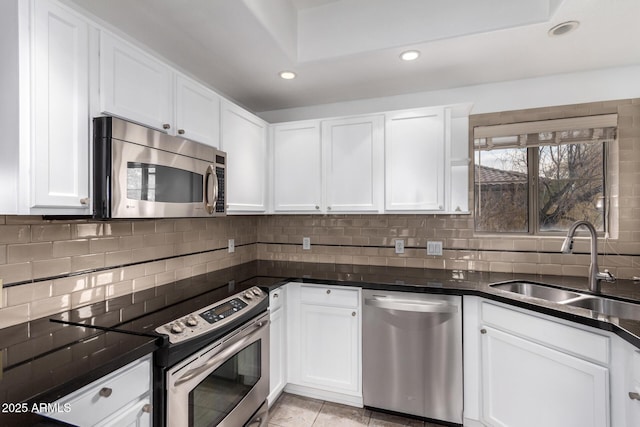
109 395
330 295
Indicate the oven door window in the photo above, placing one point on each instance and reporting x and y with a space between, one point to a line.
163 184
220 392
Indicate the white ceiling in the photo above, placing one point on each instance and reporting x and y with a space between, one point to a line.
344 50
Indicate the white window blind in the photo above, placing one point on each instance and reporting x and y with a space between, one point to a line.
547 132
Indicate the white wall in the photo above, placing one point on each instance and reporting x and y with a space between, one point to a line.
561 89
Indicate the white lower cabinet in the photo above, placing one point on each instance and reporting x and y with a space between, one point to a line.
529 385
324 342
526 369
277 343
122 398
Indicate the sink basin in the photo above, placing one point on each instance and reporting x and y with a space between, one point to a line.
608 307
537 290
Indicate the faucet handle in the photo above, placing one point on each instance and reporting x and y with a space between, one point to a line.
606 276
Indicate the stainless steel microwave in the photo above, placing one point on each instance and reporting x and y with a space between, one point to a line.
144 173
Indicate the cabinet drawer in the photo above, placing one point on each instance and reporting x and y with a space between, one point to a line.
330 295
104 397
584 344
276 298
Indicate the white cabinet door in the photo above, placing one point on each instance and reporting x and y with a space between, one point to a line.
415 161
244 138
197 112
297 174
136 414
329 348
354 163
134 85
60 146
530 385
277 344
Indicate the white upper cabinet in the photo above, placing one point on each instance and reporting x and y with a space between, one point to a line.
140 88
353 160
415 146
60 150
44 109
244 138
197 112
134 85
297 174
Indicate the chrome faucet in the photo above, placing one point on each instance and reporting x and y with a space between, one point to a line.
594 275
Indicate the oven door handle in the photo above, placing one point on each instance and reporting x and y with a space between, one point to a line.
219 358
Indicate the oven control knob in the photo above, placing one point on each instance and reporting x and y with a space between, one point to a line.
248 295
176 328
192 321
257 292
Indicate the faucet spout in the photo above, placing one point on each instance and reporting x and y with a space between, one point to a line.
594 274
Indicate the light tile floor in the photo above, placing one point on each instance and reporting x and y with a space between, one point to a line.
296 411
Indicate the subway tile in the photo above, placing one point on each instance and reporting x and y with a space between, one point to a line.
29 252
52 267
70 284
50 232
14 315
15 234
12 273
22 294
87 296
70 248
104 244
49 306
87 262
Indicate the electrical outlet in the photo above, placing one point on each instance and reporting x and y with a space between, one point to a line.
306 243
399 246
232 246
434 248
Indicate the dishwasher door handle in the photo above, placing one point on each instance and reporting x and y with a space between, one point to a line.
414 306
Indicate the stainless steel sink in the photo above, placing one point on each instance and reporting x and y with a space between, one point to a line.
537 290
597 304
608 307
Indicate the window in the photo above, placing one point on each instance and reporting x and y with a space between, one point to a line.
539 177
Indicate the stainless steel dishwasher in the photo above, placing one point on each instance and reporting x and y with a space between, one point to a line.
412 354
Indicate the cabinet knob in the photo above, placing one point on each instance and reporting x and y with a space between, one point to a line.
275 296
328 291
317 207
166 126
147 408
483 331
634 396
181 131
353 314
328 208
84 201
105 392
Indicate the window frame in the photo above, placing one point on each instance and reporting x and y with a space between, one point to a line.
608 121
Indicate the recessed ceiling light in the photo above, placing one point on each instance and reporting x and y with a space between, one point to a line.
564 28
409 55
287 75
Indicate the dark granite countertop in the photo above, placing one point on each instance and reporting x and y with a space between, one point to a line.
43 360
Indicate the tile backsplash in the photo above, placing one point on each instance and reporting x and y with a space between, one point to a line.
52 266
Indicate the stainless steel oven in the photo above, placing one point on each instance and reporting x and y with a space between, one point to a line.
225 382
144 173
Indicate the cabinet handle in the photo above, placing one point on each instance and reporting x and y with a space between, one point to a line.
105 392
317 207
181 131
353 314
146 408
328 208
84 201
275 296
483 331
634 396
328 291
166 126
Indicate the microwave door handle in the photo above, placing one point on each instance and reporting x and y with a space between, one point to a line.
219 358
209 207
